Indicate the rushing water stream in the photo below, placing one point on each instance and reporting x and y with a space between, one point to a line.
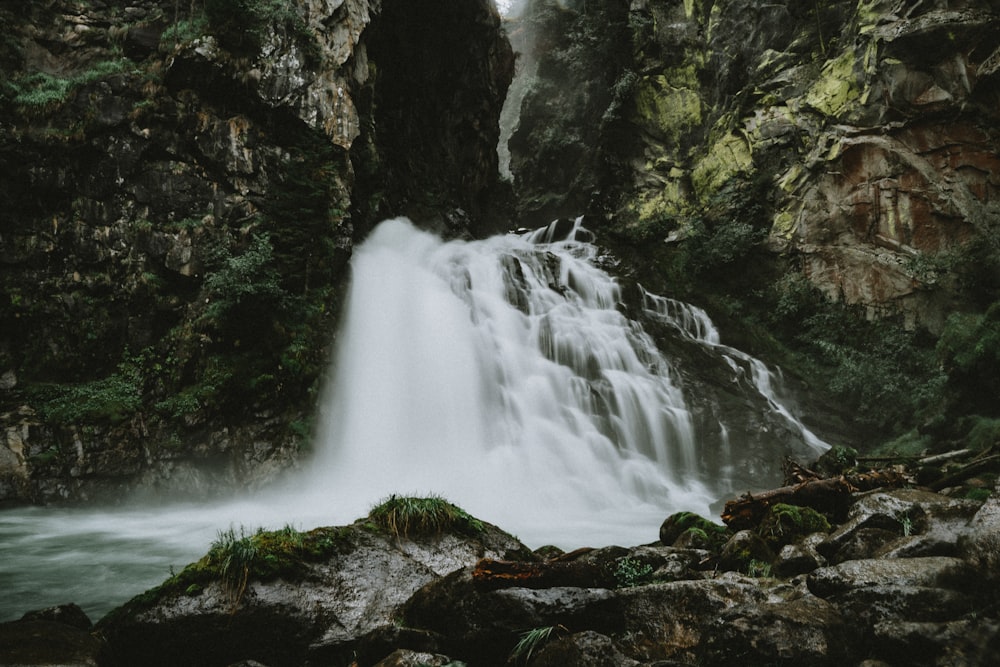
500 374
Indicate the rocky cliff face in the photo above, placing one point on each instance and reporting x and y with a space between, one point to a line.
868 129
182 184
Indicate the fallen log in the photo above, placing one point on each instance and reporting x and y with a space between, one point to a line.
492 574
830 496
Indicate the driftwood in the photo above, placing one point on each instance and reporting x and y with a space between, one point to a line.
986 460
492 574
831 495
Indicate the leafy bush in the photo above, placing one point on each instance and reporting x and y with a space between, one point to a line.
242 25
113 398
969 350
631 572
40 91
245 288
406 516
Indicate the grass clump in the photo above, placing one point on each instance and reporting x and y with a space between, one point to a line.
532 640
409 516
236 556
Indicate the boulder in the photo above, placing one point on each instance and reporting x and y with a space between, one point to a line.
54 636
805 630
317 611
582 649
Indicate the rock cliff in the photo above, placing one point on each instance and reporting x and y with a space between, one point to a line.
867 127
182 184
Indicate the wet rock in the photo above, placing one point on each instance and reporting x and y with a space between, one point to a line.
801 631
853 574
319 615
799 558
969 643
55 636
669 621
67 614
903 522
405 658
583 649
980 545
743 549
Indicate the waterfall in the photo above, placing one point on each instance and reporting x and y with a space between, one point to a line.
501 374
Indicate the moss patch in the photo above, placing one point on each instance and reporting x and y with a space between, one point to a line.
694 527
837 86
784 524
669 105
727 158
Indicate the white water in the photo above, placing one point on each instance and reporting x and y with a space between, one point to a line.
498 374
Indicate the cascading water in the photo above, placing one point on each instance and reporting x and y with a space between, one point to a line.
501 374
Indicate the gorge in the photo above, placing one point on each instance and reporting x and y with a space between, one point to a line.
258 268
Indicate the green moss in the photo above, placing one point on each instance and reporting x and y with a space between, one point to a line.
784 524
697 527
837 86
727 158
669 105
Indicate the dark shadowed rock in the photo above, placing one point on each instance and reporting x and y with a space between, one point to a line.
801 631
583 649
41 642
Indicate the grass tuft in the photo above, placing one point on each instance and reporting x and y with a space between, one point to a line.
533 639
408 516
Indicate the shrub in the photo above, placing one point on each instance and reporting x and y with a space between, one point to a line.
969 350
113 398
631 572
242 25
406 516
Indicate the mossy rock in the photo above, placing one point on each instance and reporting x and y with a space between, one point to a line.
836 460
784 524
696 531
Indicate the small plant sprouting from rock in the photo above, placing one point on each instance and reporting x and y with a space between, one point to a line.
632 572
533 639
407 516
906 524
235 556
759 568
238 555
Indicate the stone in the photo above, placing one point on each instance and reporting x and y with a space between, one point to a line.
406 658
321 615
582 649
744 549
799 558
853 574
980 544
48 642
805 630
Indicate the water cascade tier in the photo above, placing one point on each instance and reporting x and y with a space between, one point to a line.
507 375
